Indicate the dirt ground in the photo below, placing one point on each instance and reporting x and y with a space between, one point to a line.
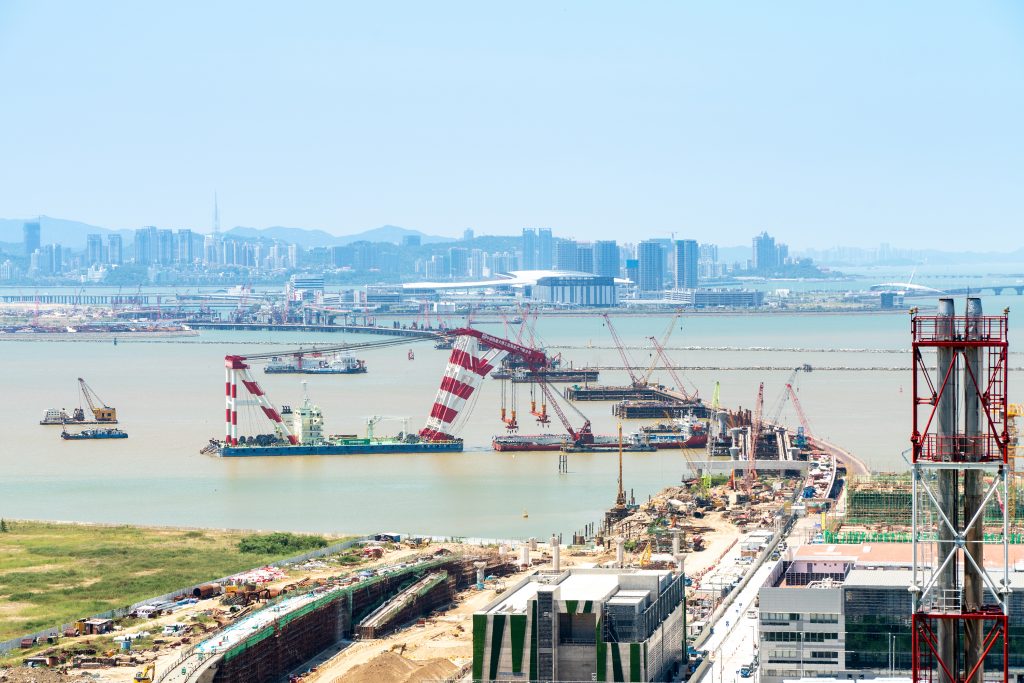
22 675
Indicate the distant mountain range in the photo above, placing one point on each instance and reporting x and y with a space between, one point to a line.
319 238
72 234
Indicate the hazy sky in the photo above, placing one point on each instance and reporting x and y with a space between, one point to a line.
823 122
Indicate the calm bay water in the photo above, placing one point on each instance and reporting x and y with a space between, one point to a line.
169 396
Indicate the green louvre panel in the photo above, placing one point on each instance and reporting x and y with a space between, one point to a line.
479 641
617 674
634 661
517 628
497 635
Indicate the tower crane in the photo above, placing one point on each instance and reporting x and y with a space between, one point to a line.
755 435
672 371
799 411
664 340
780 405
101 412
634 380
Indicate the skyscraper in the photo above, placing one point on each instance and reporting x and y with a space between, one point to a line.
458 262
186 250
565 254
606 258
146 246
545 251
687 254
115 250
765 254
650 271
31 237
165 247
529 261
93 249
585 258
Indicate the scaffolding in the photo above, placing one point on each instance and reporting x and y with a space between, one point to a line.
879 500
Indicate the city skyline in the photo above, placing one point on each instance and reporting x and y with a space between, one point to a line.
865 122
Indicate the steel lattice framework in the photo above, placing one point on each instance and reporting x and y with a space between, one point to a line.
959 459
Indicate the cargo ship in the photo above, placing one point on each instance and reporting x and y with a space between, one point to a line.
305 437
685 433
108 433
340 364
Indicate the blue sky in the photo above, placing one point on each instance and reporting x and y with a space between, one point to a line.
822 122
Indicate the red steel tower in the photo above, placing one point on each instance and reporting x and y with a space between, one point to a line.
959 459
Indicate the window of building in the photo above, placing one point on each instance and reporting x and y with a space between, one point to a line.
823 618
824 654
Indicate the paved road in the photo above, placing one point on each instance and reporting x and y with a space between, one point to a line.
733 643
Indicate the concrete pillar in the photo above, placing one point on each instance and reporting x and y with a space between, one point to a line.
948 494
524 555
974 586
480 576
620 552
556 550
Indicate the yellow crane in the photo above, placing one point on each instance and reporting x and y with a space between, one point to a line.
101 412
146 675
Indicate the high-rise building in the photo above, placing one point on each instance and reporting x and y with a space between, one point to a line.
93 249
146 246
476 264
707 262
468 235
585 258
545 249
186 249
565 254
606 258
687 255
529 260
458 262
31 233
211 253
503 262
411 240
115 250
650 272
293 256
766 255
165 247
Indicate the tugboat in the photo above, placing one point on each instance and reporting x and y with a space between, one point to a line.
107 433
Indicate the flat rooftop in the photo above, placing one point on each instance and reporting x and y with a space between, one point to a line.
894 554
598 585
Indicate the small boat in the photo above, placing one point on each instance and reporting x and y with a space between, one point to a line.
107 433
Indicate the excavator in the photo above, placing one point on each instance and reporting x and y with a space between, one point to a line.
101 411
146 675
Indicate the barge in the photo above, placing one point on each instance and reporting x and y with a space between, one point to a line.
108 433
300 432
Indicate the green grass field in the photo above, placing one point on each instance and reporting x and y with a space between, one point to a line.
57 573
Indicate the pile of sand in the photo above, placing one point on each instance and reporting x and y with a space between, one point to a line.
391 667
